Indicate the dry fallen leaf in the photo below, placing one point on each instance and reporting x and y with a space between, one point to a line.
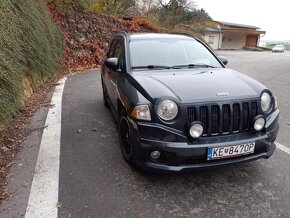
219 201
140 215
5 149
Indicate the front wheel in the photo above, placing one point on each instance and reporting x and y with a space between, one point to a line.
124 138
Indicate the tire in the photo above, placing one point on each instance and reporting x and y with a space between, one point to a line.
105 96
126 146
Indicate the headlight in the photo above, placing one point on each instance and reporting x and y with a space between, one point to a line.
265 101
141 112
167 110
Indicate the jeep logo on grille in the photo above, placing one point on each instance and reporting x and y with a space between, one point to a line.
222 94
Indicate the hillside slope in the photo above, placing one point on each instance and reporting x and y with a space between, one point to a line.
87 34
30 47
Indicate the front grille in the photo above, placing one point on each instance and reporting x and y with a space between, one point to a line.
225 118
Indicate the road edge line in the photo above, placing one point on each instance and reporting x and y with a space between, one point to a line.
282 147
43 197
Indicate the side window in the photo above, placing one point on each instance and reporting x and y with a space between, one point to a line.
112 49
120 53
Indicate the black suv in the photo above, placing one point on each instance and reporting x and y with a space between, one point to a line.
178 108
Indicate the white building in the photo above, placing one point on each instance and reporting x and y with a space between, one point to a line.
224 35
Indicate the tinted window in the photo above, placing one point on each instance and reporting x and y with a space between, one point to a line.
119 53
170 52
112 49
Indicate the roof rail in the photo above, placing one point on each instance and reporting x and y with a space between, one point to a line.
184 34
122 33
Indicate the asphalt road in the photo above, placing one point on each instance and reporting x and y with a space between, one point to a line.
94 180
273 70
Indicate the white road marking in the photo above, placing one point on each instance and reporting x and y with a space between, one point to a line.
282 147
43 196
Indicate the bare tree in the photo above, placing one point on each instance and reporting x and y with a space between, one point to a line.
112 7
147 7
175 12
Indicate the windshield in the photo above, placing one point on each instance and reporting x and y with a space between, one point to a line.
170 53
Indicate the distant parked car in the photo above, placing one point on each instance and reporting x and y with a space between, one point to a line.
178 108
278 48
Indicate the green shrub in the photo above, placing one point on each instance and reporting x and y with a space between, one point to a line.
30 46
63 5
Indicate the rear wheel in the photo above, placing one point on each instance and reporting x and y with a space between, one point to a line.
124 138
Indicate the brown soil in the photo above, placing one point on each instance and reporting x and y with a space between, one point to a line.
88 34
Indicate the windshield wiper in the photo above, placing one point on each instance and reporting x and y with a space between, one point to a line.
192 66
151 67
173 67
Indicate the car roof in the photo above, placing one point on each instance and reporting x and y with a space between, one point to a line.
136 36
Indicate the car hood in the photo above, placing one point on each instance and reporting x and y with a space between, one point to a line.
196 85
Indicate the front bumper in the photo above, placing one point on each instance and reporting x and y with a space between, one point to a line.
179 154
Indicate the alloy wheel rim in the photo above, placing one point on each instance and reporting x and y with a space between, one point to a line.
124 136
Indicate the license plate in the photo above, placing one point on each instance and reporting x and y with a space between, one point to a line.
230 151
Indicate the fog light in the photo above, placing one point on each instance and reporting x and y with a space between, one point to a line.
155 155
259 123
196 130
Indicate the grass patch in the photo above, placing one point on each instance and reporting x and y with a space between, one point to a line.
30 47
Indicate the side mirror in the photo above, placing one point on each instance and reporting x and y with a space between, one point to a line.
223 59
112 63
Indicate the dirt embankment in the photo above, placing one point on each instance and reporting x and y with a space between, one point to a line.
87 34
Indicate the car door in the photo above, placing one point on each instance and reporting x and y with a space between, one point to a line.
114 74
107 71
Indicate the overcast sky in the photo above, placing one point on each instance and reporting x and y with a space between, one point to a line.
271 16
